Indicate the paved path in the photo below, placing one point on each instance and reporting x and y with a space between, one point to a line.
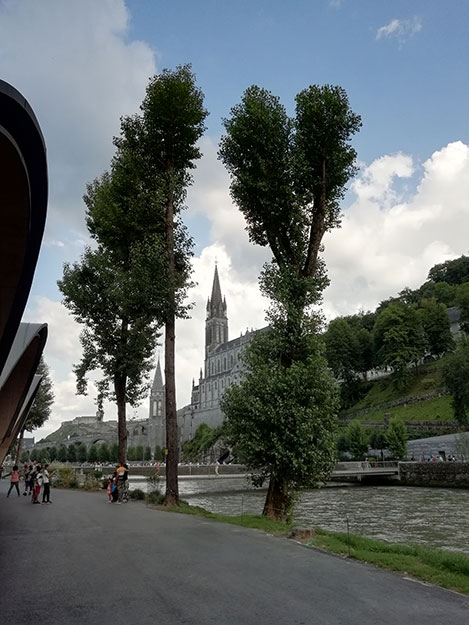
82 561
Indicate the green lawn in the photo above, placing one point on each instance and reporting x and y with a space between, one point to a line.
438 409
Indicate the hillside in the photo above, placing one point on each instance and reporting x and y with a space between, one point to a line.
424 400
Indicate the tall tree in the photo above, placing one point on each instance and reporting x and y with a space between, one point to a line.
287 178
456 376
436 326
118 302
399 340
396 438
161 144
358 439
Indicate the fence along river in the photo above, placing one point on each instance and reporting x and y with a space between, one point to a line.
436 517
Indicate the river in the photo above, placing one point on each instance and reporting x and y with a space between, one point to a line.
437 517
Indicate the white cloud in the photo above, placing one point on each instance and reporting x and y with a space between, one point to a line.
400 29
74 63
386 243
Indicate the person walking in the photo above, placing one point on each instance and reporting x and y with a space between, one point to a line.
14 480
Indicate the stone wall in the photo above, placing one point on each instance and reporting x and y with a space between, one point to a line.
443 474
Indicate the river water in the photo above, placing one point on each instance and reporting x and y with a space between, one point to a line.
437 517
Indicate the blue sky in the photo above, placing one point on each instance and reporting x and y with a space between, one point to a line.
83 64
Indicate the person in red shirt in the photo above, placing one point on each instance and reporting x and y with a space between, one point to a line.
15 480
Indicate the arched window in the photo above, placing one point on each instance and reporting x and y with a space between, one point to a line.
224 364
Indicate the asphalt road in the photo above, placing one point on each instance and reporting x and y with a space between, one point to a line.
83 561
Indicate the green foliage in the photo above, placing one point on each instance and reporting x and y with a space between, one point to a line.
288 174
204 438
71 453
131 453
53 453
137 494
447 569
139 452
24 456
147 453
282 420
462 301
92 454
62 454
378 439
43 456
358 440
452 271
456 375
436 326
65 478
82 453
287 178
114 452
42 405
34 455
399 340
92 481
103 453
396 439
159 454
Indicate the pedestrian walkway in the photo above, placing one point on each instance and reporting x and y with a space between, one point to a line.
82 561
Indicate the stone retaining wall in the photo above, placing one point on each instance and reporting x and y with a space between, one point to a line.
443 474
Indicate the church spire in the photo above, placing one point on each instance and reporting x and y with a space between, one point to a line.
157 380
216 299
216 324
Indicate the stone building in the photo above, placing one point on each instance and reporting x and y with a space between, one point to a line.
222 367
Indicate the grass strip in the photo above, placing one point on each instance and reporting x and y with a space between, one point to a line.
246 520
442 568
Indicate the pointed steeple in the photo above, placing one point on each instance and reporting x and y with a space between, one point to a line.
158 379
216 323
216 298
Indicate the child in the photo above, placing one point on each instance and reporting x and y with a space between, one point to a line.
109 490
15 478
37 483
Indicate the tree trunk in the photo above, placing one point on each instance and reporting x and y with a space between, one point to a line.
119 388
172 456
20 445
278 500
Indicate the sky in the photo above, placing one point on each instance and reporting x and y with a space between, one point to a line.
82 65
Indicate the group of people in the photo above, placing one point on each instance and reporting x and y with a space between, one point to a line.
118 485
36 478
441 458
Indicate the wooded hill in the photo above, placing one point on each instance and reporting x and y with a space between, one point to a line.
411 340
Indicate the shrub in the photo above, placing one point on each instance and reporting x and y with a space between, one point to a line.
92 482
137 493
65 478
155 497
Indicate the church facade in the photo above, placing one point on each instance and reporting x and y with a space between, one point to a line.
221 368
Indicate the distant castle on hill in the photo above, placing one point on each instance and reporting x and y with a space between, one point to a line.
221 368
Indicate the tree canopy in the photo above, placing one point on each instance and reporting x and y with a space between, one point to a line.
288 175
